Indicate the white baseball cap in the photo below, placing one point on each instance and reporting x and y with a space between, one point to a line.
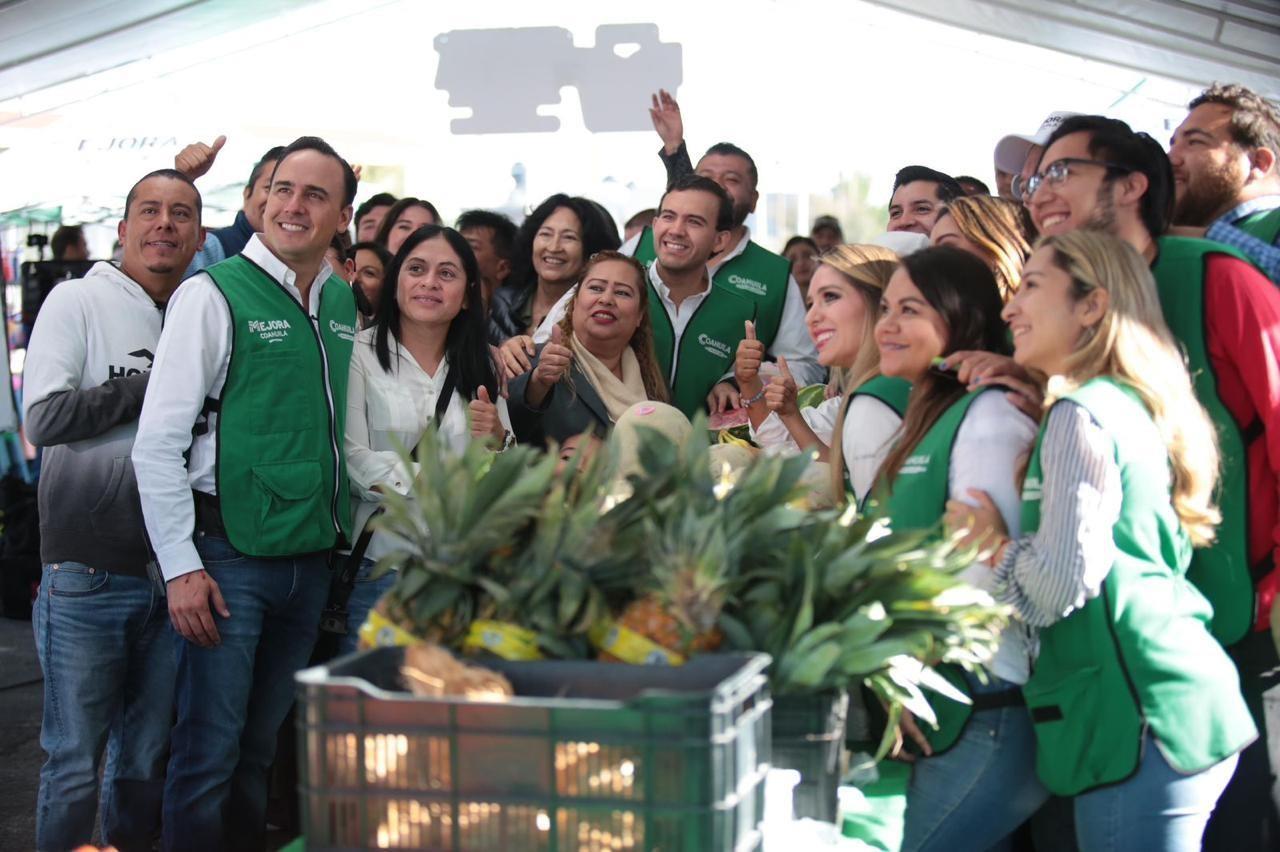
1012 150
901 243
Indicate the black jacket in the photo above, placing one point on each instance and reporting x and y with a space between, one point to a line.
508 304
566 411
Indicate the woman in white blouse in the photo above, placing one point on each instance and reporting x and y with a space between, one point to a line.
857 427
424 359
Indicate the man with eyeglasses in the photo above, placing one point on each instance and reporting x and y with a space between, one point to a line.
1226 170
1096 172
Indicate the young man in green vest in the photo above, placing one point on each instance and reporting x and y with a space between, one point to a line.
244 490
1226 167
1097 172
743 265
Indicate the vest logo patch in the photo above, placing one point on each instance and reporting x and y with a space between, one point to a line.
713 346
750 285
271 331
1032 488
915 464
346 332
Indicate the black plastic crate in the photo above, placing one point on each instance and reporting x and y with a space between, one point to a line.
808 736
587 756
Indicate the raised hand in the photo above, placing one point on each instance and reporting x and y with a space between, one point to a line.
780 394
747 360
485 422
197 158
665 114
555 361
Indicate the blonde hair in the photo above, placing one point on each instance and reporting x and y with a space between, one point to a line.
868 268
994 225
1133 344
655 384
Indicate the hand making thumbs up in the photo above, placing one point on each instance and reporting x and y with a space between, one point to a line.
197 158
554 362
780 395
484 416
746 364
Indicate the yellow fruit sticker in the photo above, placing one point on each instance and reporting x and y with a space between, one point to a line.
504 640
630 647
378 631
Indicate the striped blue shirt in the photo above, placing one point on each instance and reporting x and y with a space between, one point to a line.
1224 230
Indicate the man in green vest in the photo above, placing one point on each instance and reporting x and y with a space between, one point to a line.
744 265
1226 167
1097 172
244 491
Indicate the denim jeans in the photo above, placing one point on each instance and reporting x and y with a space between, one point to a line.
364 596
233 697
975 794
108 682
1158 808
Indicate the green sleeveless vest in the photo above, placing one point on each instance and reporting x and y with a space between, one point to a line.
1139 655
918 501
757 274
1221 571
705 352
281 474
892 392
1265 225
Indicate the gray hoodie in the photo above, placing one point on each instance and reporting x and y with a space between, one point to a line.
83 382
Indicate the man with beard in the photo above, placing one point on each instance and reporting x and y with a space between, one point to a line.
1225 170
99 618
745 266
1097 173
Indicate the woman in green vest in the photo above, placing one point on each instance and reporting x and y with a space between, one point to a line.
1137 709
976 780
424 361
853 431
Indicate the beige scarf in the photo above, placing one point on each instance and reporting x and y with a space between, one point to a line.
617 395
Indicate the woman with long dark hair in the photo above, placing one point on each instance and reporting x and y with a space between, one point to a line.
550 252
405 216
424 360
976 781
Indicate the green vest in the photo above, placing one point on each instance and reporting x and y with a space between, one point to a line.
1222 571
706 350
757 274
918 500
1139 655
280 470
1265 225
892 392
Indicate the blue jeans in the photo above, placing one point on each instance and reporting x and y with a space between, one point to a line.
1158 808
108 681
975 794
233 697
364 596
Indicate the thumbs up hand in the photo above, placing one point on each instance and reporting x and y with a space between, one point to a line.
555 360
197 158
484 416
746 364
780 395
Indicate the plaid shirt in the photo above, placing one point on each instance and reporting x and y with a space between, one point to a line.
1224 230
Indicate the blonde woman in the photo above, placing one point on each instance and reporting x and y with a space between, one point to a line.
599 360
853 430
1136 708
989 228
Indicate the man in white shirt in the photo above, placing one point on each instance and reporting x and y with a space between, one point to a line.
253 362
99 619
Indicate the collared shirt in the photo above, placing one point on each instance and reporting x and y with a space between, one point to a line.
191 365
1224 230
387 411
680 315
791 342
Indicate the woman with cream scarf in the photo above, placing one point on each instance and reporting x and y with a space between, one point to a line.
599 361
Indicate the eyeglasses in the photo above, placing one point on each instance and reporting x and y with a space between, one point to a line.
1057 174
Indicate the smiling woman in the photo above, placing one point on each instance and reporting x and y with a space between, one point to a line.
599 361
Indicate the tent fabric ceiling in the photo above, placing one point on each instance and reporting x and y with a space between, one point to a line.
47 42
1195 41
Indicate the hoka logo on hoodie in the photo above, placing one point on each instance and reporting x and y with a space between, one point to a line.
115 371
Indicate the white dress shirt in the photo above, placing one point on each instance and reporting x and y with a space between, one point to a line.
190 365
388 411
791 342
869 429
